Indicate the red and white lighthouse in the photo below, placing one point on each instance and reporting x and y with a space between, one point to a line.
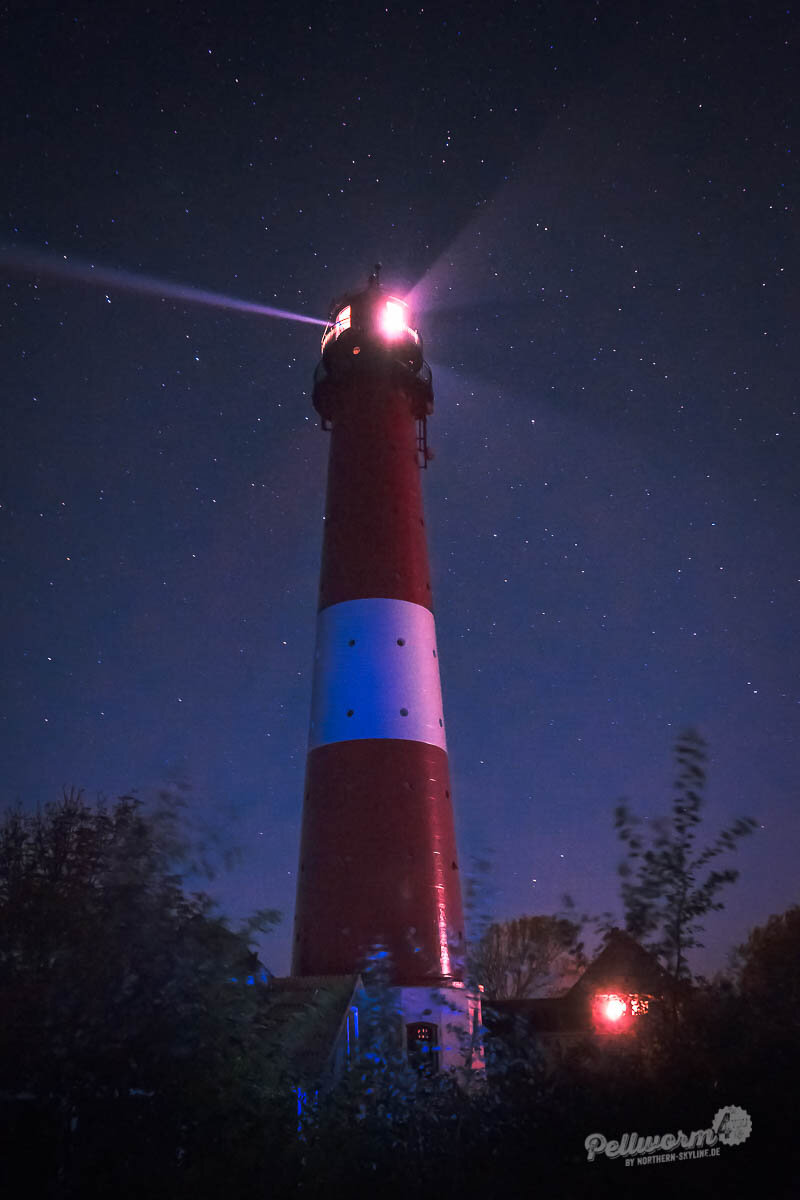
378 859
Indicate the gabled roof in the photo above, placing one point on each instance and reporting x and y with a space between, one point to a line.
304 1016
623 965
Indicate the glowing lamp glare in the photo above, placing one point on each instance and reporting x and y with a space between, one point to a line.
393 319
614 1008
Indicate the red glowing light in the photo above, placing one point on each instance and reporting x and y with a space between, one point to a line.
614 1008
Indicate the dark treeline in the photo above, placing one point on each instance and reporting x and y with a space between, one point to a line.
135 1059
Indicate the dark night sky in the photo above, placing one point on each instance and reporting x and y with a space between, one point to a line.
593 204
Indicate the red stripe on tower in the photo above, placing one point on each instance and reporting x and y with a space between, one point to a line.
378 860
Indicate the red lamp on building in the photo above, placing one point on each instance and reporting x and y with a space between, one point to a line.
616 1012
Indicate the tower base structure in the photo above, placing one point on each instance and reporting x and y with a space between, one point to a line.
441 1028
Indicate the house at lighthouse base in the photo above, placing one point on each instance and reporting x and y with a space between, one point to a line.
323 1025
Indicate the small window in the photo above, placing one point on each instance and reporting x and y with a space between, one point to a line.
422 1044
343 320
338 327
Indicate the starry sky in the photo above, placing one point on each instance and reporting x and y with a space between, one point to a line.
591 208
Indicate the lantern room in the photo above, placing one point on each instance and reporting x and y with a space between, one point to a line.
369 344
374 324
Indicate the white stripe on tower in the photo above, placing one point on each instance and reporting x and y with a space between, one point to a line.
376 674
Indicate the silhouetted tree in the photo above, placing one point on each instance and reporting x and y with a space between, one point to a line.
126 1025
528 956
769 972
667 888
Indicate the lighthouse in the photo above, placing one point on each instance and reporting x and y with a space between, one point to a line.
378 858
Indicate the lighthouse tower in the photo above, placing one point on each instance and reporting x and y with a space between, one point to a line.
378 859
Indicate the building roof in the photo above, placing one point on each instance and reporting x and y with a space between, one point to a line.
544 1014
623 965
304 1017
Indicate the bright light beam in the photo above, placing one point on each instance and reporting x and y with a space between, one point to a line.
43 264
